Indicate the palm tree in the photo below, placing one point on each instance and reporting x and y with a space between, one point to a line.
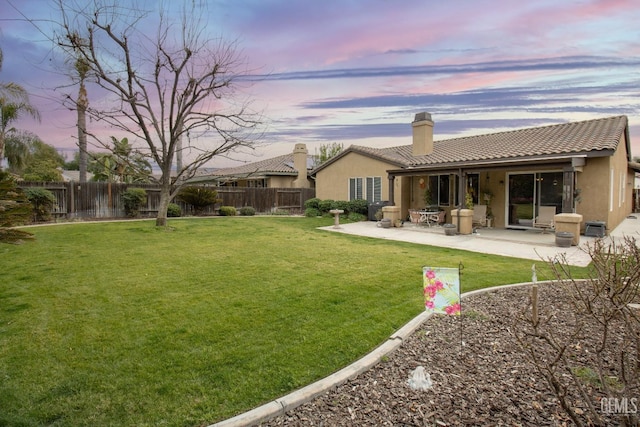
82 68
14 101
9 113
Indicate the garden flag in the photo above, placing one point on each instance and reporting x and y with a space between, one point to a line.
442 290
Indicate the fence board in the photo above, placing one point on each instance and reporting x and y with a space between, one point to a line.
104 200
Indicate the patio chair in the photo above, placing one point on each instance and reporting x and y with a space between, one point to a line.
480 215
414 216
545 218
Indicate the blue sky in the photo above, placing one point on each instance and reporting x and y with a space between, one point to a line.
356 72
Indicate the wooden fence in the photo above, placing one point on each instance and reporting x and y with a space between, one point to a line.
104 199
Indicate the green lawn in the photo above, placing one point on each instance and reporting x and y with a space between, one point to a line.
126 324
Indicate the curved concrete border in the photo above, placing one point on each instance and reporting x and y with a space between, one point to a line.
305 394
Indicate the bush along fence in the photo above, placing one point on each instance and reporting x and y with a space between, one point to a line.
105 200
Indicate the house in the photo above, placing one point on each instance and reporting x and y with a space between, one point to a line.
286 171
69 175
580 167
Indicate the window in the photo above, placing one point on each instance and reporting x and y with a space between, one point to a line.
371 190
374 189
611 189
622 190
439 187
355 188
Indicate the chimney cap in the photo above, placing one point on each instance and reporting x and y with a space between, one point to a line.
422 117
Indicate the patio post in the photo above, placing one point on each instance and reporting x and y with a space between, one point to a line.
568 179
391 191
461 194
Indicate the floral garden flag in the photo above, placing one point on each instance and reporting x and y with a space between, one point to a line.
442 290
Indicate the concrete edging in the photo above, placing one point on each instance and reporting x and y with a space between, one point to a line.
305 394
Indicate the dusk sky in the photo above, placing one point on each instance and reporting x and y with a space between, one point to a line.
356 72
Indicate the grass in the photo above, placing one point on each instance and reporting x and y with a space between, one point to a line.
127 324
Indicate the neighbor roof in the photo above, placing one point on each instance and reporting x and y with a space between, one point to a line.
281 165
590 138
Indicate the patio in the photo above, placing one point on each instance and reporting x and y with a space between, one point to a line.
527 244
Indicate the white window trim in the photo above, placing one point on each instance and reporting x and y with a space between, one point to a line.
362 190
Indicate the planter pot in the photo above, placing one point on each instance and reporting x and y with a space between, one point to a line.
385 223
450 229
564 239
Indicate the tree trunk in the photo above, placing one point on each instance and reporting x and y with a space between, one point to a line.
82 132
1 150
165 193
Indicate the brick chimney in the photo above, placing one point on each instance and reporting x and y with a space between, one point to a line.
300 164
422 134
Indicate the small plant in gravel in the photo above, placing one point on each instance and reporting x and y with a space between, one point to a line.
598 360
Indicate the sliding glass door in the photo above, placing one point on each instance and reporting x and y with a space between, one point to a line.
527 192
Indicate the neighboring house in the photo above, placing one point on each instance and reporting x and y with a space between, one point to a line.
582 167
287 171
68 176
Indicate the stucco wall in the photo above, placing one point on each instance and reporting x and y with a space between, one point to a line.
601 184
332 182
280 182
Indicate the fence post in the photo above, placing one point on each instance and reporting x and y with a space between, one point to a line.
71 199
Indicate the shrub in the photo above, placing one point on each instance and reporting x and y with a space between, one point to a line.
313 203
133 199
247 211
325 205
198 197
15 209
360 206
312 212
342 205
356 217
227 211
42 201
174 211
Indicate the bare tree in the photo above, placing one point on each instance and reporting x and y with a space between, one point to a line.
596 360
164 78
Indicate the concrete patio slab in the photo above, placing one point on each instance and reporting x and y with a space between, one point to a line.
527 244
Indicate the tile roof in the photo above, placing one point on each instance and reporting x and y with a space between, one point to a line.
564 139
281 165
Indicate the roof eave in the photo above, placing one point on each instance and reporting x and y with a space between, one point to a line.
499 163
364 153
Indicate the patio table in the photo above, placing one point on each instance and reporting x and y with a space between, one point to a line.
429 217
